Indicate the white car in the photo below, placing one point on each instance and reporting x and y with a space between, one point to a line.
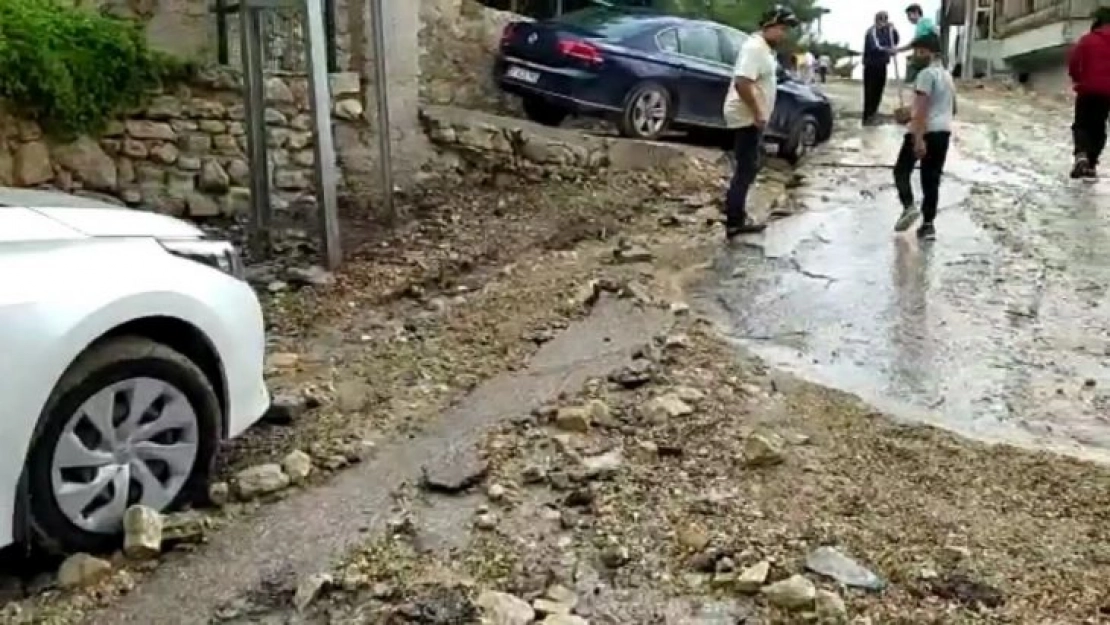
130 347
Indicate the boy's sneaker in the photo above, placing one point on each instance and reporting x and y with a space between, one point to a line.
927 232
1081 168
908 217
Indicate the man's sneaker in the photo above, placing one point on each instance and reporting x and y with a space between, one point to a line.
908 217
731 232
1081 168
927 232
1091 172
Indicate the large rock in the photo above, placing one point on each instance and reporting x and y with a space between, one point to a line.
213 177
144 129
298 466
32 165
81 569
260 480
500 608
794 593
142 538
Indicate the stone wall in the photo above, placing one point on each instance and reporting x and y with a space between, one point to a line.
185 153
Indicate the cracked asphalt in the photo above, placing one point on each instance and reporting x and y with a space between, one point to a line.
999 330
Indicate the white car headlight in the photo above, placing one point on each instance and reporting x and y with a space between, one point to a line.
219 255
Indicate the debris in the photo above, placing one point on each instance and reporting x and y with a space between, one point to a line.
830 608
142 538
260 480
496 492
666 407
297 465
762 451
635 375
219 493
459 472
486 521
603 465
831 563
794 593
309 589
631 255
504 609
81 570
189 526
753 578
573 419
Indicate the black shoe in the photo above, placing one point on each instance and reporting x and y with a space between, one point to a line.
926 232
1091 172
731 232
1081 168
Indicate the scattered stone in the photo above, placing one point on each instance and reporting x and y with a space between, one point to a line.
600 414
564 619
142 538
962 589
762 451
831 563
631 255
297 465
283 360
635 375
604 465
689 395
533 474
753 578
562 595
352 395
693 537
676 342
81 570
544 606
309 589
794 593
830 608
666 407
285 409
260 480
486 521
573 419
219 493
496 492
189 527
616 556
460 472
504 609
311 276
680 309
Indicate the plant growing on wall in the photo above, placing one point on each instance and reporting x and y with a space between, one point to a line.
70 69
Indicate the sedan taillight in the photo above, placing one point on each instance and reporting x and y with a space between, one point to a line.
507 33
580 50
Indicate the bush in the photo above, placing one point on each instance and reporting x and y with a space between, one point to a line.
72 70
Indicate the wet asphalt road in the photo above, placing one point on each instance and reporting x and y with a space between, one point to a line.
999 330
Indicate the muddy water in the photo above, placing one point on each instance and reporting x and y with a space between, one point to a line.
999 330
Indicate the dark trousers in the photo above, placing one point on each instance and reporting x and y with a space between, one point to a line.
874 83
1088 129
747 153
932 168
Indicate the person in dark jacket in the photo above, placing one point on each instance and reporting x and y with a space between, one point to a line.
879 45
1089 68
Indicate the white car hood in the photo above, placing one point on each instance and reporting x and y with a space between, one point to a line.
121 222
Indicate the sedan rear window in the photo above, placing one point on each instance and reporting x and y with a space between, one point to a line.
604 22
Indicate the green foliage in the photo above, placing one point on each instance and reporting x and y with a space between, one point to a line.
71 70
741 14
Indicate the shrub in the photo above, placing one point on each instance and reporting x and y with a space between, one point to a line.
70 69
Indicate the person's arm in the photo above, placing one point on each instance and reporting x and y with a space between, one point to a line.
923 87
1075 60
746 75
870 43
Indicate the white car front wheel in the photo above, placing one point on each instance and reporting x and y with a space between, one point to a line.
132 422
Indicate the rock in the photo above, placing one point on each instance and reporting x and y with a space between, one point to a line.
666 407
633 255
219 493
201 205
496 492
615 556
277 91
830 608
689 395
164 153
283 360
504 609
603 465
213 178
260 480
81 570
87 160
344 84
142 538
573 419
600 414
831 563
486 521
794 593
564 619
285 409
693 537
635 375
753 578
311 276
455 474
190 526
297 465
164 107
562 596
348 109
309 589
31 166
143 129
762 451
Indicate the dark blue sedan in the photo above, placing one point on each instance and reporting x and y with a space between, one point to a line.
646 72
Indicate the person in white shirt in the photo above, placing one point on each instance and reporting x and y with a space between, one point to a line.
823 66
748 107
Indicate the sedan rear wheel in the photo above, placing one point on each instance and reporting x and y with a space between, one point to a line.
647 112
132 422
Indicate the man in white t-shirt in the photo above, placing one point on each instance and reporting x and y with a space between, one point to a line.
748 107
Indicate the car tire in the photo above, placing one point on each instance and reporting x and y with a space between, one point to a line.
804 135
182 419
647 112
543 112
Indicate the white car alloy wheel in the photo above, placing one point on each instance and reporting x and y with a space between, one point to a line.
132 442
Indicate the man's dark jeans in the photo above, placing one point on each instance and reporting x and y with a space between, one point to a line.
874 83
932 168
748 156
1089 126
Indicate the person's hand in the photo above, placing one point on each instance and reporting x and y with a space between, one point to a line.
761 120
919 147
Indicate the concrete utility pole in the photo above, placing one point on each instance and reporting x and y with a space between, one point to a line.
970 14
381 91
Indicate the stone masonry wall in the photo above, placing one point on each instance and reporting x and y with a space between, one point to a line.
185 153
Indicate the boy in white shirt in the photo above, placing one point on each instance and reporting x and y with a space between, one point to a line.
748 107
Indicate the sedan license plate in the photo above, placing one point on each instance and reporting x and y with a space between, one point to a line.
521 74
